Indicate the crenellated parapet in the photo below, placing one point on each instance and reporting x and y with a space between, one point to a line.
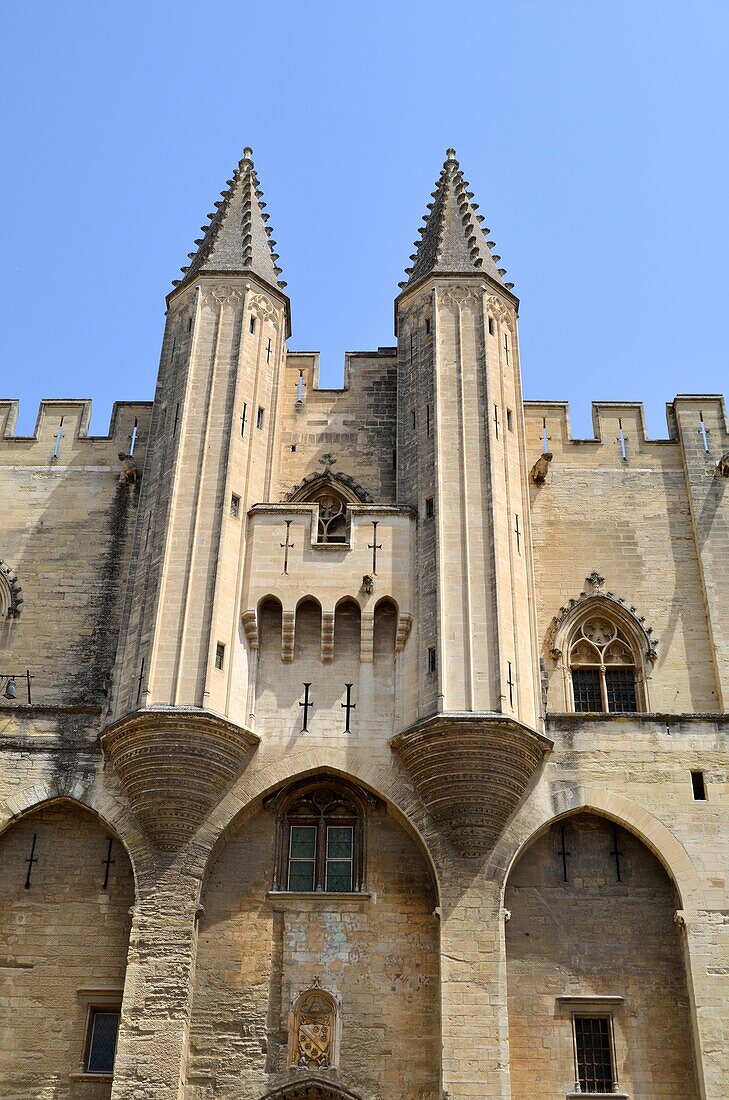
61 435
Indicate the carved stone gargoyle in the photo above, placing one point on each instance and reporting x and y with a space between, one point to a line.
541 468
723 466
129 473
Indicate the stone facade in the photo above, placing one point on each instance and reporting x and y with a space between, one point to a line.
364 743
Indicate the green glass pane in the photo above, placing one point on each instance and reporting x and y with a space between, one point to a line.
339 842
303 841
301 875
339 876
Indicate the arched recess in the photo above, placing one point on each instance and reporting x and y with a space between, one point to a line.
595 966
66 892
258 948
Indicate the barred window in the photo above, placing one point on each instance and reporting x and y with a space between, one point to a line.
603 667
101 1041
594 1053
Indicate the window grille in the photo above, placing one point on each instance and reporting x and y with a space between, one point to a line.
603 668
103 1031
593 1052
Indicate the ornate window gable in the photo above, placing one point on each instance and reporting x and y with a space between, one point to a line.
332 492
11 594
314 1028
605 650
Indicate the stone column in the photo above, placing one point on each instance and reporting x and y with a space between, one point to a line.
153 1034
473 993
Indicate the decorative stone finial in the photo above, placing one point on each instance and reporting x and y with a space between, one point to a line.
247 153
450 154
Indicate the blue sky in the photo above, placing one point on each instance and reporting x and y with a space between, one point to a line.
594 136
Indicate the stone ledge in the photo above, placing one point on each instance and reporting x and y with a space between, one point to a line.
471 770
175 764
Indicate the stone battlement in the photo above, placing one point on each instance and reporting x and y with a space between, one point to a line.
61 435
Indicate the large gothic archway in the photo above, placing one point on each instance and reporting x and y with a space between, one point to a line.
66 890
282 918
597 992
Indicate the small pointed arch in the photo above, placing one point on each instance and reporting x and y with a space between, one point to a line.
267 624
311 1088
605 651
308 488
387 617
307 637
11 594
347 629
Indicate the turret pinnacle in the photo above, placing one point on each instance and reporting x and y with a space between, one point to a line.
237 238
452 238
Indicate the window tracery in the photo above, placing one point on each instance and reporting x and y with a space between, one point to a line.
320 839
603 667
605 651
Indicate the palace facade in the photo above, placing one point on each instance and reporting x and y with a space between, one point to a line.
364 743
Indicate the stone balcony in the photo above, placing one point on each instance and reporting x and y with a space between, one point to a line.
471 771
286 559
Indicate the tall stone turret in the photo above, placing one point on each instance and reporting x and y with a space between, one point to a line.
212 456
461 465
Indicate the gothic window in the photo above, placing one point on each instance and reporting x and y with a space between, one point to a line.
314 1029
593 1054
332 515
321 840
603 667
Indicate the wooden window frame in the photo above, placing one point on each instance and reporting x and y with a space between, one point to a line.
289 804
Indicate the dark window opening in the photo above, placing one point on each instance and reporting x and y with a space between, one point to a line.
586 688
189 324
620 687
259 416
219 655
509 420
699 786
429 507
101 1044
432 660
412 413
235 506
252 324
593 1050
427 326
323 844
492 327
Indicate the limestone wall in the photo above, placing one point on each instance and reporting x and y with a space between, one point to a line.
66 532
63 949
257 951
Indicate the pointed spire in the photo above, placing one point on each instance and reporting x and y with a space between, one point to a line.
237 238
452 238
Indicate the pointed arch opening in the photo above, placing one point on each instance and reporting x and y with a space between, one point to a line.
66 893
606 655
596 979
